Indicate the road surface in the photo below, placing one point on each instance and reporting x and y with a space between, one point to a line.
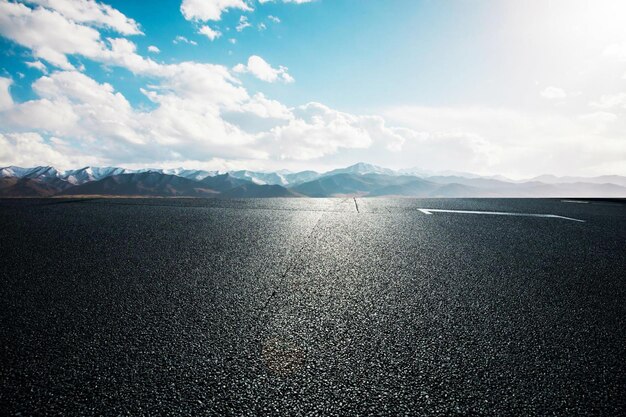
312 306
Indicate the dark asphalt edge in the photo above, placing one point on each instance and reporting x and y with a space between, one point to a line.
200 207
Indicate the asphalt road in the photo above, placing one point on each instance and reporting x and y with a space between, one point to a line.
304 307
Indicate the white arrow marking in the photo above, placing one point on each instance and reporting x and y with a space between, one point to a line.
500 213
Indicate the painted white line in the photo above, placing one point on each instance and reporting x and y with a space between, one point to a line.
499 213
575 201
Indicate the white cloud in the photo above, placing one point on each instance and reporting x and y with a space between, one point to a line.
37 65
616 51
53 37
193 99
610 101
266 108
510 142
209 33
206 85
261 26
123 53
92 13
6 101
47 33
259 68
30 149
599 122
316 131
287 1
204 10
154 49
54 117
178 39
553 93
201 112
243 23
181 39
187 120
274 19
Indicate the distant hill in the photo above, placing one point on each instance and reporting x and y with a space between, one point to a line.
222 183
361 169
339 185
162 185
363 180
603 179
381 185
276 178
414 188
29 187
252 190
143 184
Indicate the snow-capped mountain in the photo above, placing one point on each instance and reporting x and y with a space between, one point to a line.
360 179
74 176
12 171
87 174
32 173
261 178
192 174
361 168
283 177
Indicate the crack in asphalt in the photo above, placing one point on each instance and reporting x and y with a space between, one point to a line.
291 262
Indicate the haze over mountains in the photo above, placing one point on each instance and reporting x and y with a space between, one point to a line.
363 180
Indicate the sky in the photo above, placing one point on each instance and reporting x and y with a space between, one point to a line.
516 87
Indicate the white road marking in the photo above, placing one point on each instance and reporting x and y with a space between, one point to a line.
575 201
499 213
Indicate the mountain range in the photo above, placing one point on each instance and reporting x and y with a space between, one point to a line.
363 180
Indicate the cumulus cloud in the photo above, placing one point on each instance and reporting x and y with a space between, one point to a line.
259 68
193 118
92 13
154 49
54 117
181 39
287 1
185 122
47 33
263 107
212 34
243 23
204 10
510 142
202 113
552 93
53 37
37 65
317 130
6 101
31 149
610 101
616 51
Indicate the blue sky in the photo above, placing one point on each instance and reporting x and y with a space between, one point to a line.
343 51
509 87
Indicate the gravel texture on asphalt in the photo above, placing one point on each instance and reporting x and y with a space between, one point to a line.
311 307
